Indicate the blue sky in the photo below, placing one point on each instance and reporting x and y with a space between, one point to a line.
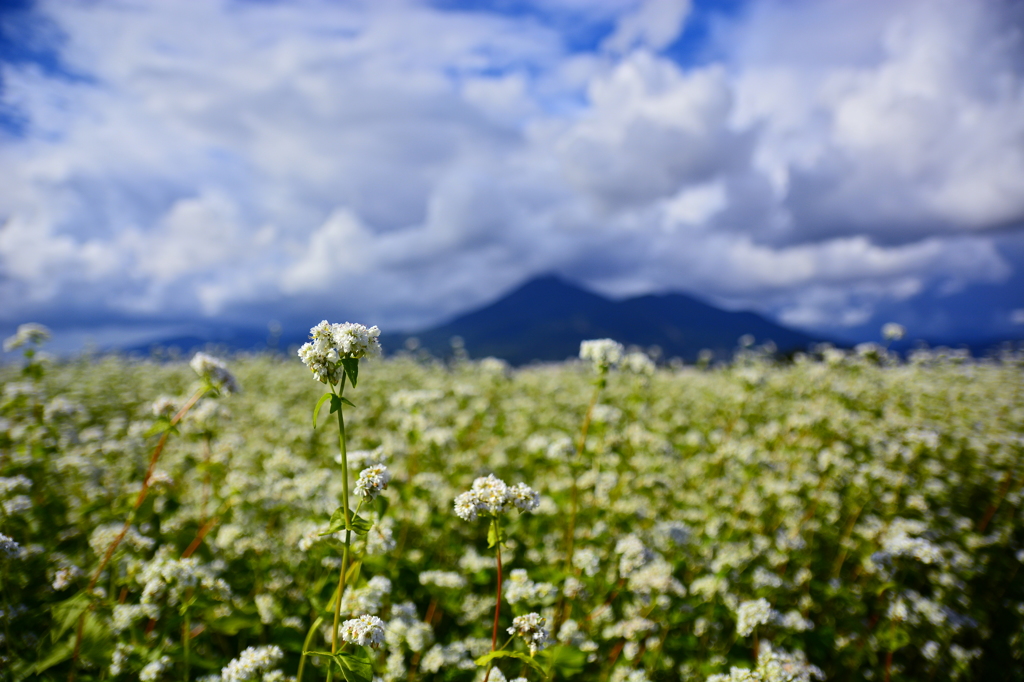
174 166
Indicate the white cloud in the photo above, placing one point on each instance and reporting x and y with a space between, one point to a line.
403 162
654 24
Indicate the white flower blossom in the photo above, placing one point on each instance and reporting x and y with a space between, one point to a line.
603 353
892 331
750 614
447 579
29 332
254 661
364 631
491 496
215 371
531 628
155 669
332 343
372 480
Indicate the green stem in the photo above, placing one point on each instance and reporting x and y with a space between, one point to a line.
186 634
581 446
348 523
305 647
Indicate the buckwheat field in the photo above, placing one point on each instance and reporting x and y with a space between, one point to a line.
339 516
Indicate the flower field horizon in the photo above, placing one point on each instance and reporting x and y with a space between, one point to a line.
848 516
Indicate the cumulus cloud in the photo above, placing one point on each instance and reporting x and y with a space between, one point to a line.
401 162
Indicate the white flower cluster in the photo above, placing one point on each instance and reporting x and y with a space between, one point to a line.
448 579
655 576
571 635
155 669
491 496
102 536
531 628
892 331
638 363
632 554
254 661
366 599
65 576
8 547
405 626
215 371
898 541
27 333
364 631
586 560
372 480
632 629
520 588
752 613
170 577
332 343
774 665
603 353
454 655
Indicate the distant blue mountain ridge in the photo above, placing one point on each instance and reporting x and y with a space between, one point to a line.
545 320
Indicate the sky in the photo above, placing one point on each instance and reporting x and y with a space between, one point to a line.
168 166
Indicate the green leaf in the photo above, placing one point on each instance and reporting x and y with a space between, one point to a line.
354 668
319 404
232 625
335 404
348 402
494 536
351 366
161 425
357 524
518 655
66 613
55 654
566 660
353 573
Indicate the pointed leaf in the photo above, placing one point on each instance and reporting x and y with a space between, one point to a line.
354 668
353 573
335 404
348 402
518 655
357 524
319 404
351 366
567 661
66 613
494 536
161 425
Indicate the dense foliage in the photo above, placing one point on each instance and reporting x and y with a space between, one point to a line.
848 512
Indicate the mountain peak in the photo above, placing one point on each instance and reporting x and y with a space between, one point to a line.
546 318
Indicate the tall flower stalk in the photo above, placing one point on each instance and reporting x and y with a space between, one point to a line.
216 378
491 497
604 354
333 355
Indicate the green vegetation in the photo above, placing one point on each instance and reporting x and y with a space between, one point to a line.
849 512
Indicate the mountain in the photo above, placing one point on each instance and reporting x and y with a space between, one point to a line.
546 318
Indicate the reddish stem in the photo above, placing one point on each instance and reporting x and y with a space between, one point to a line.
497 612
199 537
128 523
